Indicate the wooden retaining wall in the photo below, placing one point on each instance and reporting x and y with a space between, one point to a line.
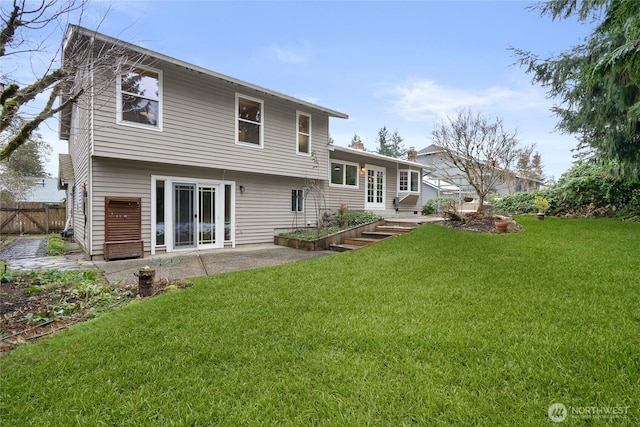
324 243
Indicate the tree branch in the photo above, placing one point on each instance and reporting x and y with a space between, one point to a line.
12 104
29 127
9 31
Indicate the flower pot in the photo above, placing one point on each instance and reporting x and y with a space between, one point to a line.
540 215
501 225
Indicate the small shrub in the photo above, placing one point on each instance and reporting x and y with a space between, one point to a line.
55 245
518 203
447 204
429 207
352 219
541 203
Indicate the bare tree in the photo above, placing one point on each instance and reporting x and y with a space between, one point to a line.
480 148
66 77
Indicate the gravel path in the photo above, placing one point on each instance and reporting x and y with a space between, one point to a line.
25 247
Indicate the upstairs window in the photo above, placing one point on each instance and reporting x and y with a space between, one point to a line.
139 97
409 181
304 133
344 174
249 119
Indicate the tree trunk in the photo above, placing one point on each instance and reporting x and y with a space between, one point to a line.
145 282
480 203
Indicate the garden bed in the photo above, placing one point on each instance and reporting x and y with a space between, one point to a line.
38 303
299 238
479 223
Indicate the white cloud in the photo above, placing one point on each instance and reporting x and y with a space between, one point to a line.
423 99
290 54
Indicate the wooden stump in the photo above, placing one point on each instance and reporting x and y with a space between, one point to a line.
146 278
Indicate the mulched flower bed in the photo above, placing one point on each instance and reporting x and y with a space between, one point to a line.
477 222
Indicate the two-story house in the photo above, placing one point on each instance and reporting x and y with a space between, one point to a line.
165 156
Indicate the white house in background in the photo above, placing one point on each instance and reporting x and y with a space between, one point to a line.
44 190
171 156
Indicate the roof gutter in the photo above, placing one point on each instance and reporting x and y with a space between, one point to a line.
102 37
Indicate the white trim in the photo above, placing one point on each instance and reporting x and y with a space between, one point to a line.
344 174
302 153
260 123
119 119
169 181
410 180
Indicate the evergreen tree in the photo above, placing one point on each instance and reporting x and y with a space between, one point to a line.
390 145
26 162
597 83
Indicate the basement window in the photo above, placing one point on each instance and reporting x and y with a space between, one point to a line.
297 200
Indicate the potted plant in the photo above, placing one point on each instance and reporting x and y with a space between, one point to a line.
542 204
501 223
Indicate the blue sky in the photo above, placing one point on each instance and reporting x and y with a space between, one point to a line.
395 64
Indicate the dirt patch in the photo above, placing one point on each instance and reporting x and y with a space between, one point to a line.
32 307
477 222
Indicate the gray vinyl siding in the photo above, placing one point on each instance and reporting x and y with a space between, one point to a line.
355 198
79 150
264 205
198 129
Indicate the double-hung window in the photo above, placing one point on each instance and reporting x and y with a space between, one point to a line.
409 181
304 133
249 120
139 95
344 174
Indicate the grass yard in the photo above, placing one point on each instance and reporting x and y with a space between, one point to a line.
438 327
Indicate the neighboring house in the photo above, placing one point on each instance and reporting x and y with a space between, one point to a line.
44 190
435 188
447 181
172 156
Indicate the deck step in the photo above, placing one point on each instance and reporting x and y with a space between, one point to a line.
378 234
394 228
360 241
344 248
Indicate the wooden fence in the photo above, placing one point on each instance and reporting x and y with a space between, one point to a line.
32 218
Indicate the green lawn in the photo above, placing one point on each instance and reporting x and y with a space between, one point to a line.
438 327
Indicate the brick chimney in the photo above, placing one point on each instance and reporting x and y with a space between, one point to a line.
358 145
412 154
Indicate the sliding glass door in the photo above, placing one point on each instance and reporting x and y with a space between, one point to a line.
184 217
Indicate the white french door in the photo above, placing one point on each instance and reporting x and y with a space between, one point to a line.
376 186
